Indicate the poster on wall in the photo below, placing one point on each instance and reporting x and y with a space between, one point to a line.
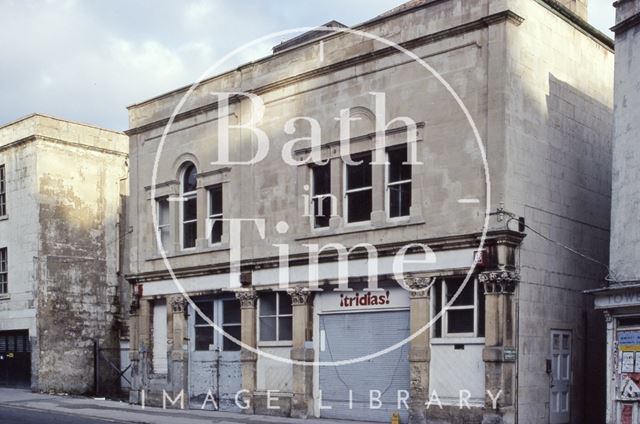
628 359
629 365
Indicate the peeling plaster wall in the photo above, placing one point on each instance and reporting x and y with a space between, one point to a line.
64 200
79 203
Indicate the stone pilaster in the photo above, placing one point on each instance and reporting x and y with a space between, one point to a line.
177 352
140 318
378 214
499 353
302 402
420 351
134 356
248 337
202 242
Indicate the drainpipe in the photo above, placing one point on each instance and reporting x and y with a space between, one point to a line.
96 363
218 376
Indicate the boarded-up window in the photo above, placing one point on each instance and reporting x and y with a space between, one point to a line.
160 337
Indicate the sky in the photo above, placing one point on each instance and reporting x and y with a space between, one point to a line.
87 60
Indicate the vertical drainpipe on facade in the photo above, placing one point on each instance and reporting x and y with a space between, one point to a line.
218 375
119 216
585 368
517 341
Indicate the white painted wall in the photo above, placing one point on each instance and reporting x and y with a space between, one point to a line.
273 374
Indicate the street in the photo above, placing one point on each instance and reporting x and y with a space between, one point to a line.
24 406
12 414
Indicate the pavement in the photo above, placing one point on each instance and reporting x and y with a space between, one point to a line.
23 406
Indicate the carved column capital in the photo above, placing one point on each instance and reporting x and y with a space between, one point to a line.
300 296
607 316
499 281
420 286
247 298
134 306
178 304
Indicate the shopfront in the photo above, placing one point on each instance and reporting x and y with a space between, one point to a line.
621 307
356 325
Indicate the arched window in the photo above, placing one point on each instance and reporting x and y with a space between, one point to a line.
189 215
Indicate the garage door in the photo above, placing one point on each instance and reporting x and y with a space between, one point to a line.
15 359
347 336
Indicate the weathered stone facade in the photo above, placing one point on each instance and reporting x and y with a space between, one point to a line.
65 183
619 300
543 108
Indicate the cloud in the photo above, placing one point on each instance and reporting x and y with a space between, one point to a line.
88 60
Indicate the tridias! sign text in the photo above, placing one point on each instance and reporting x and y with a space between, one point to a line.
366 299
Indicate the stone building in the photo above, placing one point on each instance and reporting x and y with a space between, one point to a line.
620 299
505 314
60 201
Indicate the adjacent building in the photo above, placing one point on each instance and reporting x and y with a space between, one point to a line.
61 188
510 335
620 299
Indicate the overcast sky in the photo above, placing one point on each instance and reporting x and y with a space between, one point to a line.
86 60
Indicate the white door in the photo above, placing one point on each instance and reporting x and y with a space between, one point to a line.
560 377
159 337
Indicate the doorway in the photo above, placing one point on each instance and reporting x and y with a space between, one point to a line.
560 402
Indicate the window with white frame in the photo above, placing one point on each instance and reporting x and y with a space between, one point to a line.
465 316
223 312
276 315
215 214
321 199
3 191
398 182
164 223
358 188
189 213
4 271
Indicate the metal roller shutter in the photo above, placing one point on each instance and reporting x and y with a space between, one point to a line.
348 336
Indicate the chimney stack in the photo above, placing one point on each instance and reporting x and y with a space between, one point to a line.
579 7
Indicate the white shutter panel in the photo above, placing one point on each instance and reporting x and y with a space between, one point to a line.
160 337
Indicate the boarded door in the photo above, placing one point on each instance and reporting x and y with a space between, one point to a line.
160 337
348 389
15 359
214 360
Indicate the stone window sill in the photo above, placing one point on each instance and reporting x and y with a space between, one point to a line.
5 296
275 344
274 393
353 229
4 217
457 340
211 249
